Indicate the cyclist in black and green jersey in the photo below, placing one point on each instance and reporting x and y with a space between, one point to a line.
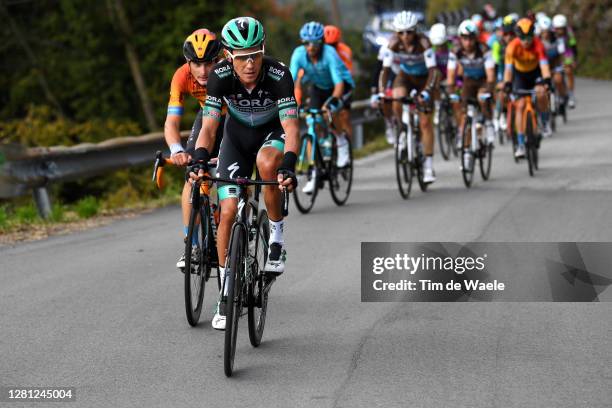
262 128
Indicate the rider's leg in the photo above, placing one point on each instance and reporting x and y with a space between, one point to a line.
569 73
268 161
560 84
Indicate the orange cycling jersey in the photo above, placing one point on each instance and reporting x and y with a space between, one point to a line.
525 59
346 55
184 83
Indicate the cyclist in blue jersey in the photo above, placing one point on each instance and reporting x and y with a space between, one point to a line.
331 82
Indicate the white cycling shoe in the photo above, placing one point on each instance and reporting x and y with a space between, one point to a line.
390 135
546 130
309 187
520 151
343 153
218 320
275 265
195 257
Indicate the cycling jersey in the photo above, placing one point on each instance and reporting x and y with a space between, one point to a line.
442 56
326 73
525 59
569 52
346 55
474 65
415 63
271 99
555 48
184 83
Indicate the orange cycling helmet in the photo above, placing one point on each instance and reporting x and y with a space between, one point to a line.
332 34
201 46
525 27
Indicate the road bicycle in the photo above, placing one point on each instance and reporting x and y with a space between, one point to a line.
530 124
445 126
474 147
317 162
246 284
203 225
409 155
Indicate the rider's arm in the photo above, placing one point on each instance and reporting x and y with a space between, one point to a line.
489 65
211 112
432 68
451 71
288 115
387 61
509 62
173 117
335 65
542 58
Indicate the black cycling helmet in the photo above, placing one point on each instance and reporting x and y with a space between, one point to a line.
201 46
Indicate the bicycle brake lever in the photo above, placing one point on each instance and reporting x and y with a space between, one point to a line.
285 198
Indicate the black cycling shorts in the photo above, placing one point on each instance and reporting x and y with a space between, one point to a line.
239 150
195 131
319 96
526 80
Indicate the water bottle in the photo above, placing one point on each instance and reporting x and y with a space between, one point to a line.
327 147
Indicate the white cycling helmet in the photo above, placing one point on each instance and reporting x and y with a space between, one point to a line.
544 23
476 18
437 34
405 21
467 27
539 15
559 21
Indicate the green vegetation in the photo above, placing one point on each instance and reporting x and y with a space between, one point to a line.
87 207
26 214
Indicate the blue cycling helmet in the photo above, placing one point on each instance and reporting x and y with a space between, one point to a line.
312 31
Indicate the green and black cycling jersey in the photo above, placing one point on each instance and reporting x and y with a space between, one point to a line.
272 99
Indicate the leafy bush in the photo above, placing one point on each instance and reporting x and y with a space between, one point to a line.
26 214
3 218
57 213
87 207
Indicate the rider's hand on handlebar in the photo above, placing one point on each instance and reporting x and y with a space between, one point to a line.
180 158
200 163
375 100
286 179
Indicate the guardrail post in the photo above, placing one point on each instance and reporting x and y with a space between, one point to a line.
358 136
43 203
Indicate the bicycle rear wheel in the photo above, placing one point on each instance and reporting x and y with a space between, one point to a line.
467 155
257 295
305 171
340 178
196 275
403 169
233 310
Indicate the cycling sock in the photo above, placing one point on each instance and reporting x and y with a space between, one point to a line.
544 116
222 277
276 231
429 162
521 139
388 122
195 240
341 139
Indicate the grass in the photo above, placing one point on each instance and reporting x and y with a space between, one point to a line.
87 207
377 144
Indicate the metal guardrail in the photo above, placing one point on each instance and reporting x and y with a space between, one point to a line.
33 169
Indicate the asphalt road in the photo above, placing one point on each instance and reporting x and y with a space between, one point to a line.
102 310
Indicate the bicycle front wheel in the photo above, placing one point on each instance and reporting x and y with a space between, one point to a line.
233 310
403 170
444 132
530 145
307 176
467 155
485 159
196 271
257 294
340 178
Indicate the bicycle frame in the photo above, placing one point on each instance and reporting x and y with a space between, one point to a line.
315 117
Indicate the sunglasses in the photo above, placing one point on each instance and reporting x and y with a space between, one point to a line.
252 56
406 32
526 37
468 37
313 43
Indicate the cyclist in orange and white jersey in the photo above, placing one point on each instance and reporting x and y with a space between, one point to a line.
201 51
